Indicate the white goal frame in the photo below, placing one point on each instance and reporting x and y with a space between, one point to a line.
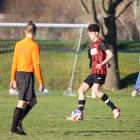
69 91
43 25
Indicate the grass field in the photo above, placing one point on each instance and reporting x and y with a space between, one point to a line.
57 61
57 67
46 121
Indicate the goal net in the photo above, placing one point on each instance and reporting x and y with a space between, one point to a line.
64 61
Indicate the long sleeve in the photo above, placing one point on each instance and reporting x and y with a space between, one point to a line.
14 66
36 64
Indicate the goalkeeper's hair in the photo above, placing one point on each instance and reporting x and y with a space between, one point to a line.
31 27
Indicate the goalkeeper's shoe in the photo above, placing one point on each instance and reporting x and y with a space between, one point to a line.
116 113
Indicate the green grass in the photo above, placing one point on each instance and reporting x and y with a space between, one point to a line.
57 64
128 45
43 43
46 120
129 68
57 67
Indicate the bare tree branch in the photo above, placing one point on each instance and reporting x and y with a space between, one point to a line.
136 9
91 10
108 6
103 9
122 7
125 26
113 6
85 7
94 12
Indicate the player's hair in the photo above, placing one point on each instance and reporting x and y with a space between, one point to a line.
31 27
93 28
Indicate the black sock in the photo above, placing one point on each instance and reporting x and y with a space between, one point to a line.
25 112
107 101
81 104
16 118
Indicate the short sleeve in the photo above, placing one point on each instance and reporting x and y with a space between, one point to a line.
104 45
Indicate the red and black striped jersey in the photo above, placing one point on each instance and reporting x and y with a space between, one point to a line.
98 55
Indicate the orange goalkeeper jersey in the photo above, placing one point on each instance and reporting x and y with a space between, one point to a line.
27 58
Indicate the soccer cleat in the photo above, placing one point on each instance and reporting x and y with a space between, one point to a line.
116 113
17 132
71 119
81 117
74 119
134 93
21 130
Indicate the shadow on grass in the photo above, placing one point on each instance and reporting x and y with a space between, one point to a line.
91 133
128 80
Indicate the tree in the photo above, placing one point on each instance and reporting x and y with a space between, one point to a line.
111 10
136 10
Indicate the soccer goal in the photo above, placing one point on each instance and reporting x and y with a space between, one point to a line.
64 61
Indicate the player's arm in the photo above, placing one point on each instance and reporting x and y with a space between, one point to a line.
37 68
90 58
13 71
109 55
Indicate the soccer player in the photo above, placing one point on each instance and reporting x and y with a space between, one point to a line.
137 86
26 62
100 54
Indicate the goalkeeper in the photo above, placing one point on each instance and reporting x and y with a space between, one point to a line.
26 61
100 54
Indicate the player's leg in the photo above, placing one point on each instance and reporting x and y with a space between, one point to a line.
93 95
137 85
78 113
31 97
98 81
88 82
81 96
134 92
16 117
25 84
103 96
25 111
106 100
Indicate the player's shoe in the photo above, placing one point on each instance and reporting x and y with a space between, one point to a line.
116 113
134 93
76 115
21 130
17 132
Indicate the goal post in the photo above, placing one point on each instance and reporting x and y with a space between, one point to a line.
69 92
60 50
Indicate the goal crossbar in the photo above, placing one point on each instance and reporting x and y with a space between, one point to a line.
42 25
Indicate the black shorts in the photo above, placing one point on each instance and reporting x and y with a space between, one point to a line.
97 78
25 84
